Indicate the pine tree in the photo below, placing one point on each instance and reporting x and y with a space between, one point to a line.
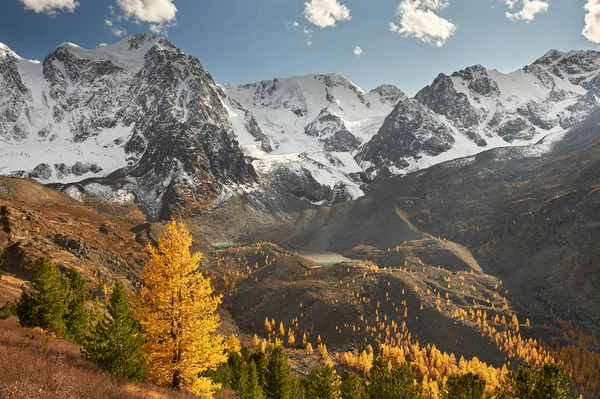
115 343
239 376
352 387
525 383
177 310
253 389
465 386
261 362
45 303
323 383
278 381
297 390
397 383
77 316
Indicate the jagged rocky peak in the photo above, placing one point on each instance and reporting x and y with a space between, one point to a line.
550 57
325 124
389 93
479 80
6 51
411 132
443 98
579 60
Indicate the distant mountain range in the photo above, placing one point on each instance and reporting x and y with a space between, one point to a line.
141 121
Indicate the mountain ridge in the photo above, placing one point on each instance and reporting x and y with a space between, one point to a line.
96 122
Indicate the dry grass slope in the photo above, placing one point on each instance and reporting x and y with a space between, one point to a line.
33 365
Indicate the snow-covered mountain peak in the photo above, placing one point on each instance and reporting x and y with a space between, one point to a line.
129 53
6 51
313 125
139 111
389 93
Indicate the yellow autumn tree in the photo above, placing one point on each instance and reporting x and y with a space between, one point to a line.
177 310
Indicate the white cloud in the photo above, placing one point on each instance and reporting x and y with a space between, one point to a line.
418 19
324 13
358 51
118 31
152 11
50 7
296 26
529 9
591 31
159 14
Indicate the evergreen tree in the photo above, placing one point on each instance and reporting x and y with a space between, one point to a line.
177 310
525 383
253 389
239 373
465 386
115 343
397 383
44 304
77 315
277 376
297 390
261 366
323 383
352 387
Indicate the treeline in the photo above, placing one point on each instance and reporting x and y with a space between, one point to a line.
258 376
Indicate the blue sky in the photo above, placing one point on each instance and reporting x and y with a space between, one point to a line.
241 41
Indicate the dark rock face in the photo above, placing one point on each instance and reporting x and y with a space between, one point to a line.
442 98
302 184
516 129
408 133
389 93
341 141
42 172
14 96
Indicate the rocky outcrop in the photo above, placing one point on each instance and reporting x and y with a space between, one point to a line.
408 133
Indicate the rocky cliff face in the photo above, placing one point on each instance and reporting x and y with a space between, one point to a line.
409 132
134 120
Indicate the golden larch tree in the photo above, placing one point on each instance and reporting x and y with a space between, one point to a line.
177 310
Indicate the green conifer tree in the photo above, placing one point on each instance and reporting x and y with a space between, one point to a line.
44 303
239 373
397 383
543 383
277 376
323 383
253 389
465 386
115 342
261 362
297 390
352 387
77 316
